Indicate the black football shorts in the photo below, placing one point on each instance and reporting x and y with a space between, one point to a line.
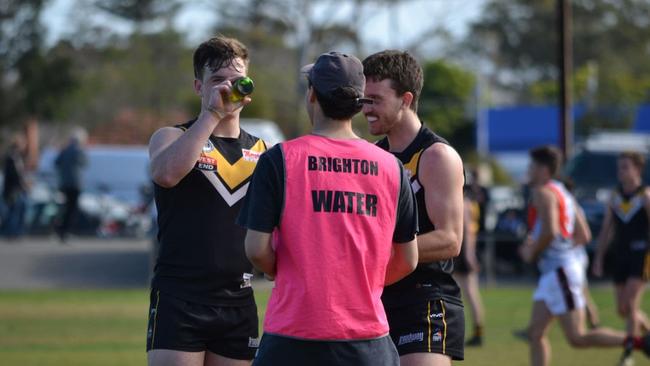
433 326
177 324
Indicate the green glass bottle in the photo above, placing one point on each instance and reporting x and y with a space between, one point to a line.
240 88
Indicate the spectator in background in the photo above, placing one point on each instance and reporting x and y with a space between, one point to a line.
481 195
14 192
511 223
69 163
467 268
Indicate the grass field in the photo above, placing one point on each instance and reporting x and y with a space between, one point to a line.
107 327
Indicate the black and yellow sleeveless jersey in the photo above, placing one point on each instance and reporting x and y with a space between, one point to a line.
433 280
630 220
201 255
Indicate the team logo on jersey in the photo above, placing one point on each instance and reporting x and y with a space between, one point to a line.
208 147
250 155
436 336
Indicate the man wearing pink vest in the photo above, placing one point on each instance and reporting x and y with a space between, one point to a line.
332 218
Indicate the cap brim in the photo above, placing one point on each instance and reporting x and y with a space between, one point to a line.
306 69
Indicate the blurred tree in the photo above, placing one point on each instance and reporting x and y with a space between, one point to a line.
286 34
145 81
611 39
139 12
33 81
142 81
446 95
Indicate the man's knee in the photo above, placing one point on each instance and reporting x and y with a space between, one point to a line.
576 340
623 309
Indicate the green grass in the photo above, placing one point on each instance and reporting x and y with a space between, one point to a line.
107 327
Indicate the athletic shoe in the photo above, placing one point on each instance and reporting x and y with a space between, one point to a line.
646 344
475 341
521 334
626 359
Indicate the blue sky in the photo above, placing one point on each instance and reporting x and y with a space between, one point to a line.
394 26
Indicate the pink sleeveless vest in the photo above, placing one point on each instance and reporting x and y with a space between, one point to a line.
334 240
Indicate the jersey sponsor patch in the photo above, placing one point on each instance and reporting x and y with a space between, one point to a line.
206 162
251 155
253 342
410 338
246 280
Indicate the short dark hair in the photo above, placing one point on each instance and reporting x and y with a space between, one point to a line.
637 159
343 105
217 52
401 68
548 156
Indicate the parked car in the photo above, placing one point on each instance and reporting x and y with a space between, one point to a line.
109 203
264 129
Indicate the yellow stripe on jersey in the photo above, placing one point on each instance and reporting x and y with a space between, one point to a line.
429 323
412 166
625 206
235 174
444 323
155 319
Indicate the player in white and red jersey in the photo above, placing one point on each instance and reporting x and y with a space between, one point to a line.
554 218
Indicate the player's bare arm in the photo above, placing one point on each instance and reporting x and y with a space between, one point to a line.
581 232
403 260
260 252
604 238
546 204
441 174
173 152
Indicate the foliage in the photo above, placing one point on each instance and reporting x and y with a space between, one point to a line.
138 11
33 81
610 52
443 105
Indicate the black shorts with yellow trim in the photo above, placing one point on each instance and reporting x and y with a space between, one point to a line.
631 265
180 325
434 326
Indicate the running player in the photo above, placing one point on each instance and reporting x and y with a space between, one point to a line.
560 289
581 237
202 308
466 268
425 310
626 219
339 206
